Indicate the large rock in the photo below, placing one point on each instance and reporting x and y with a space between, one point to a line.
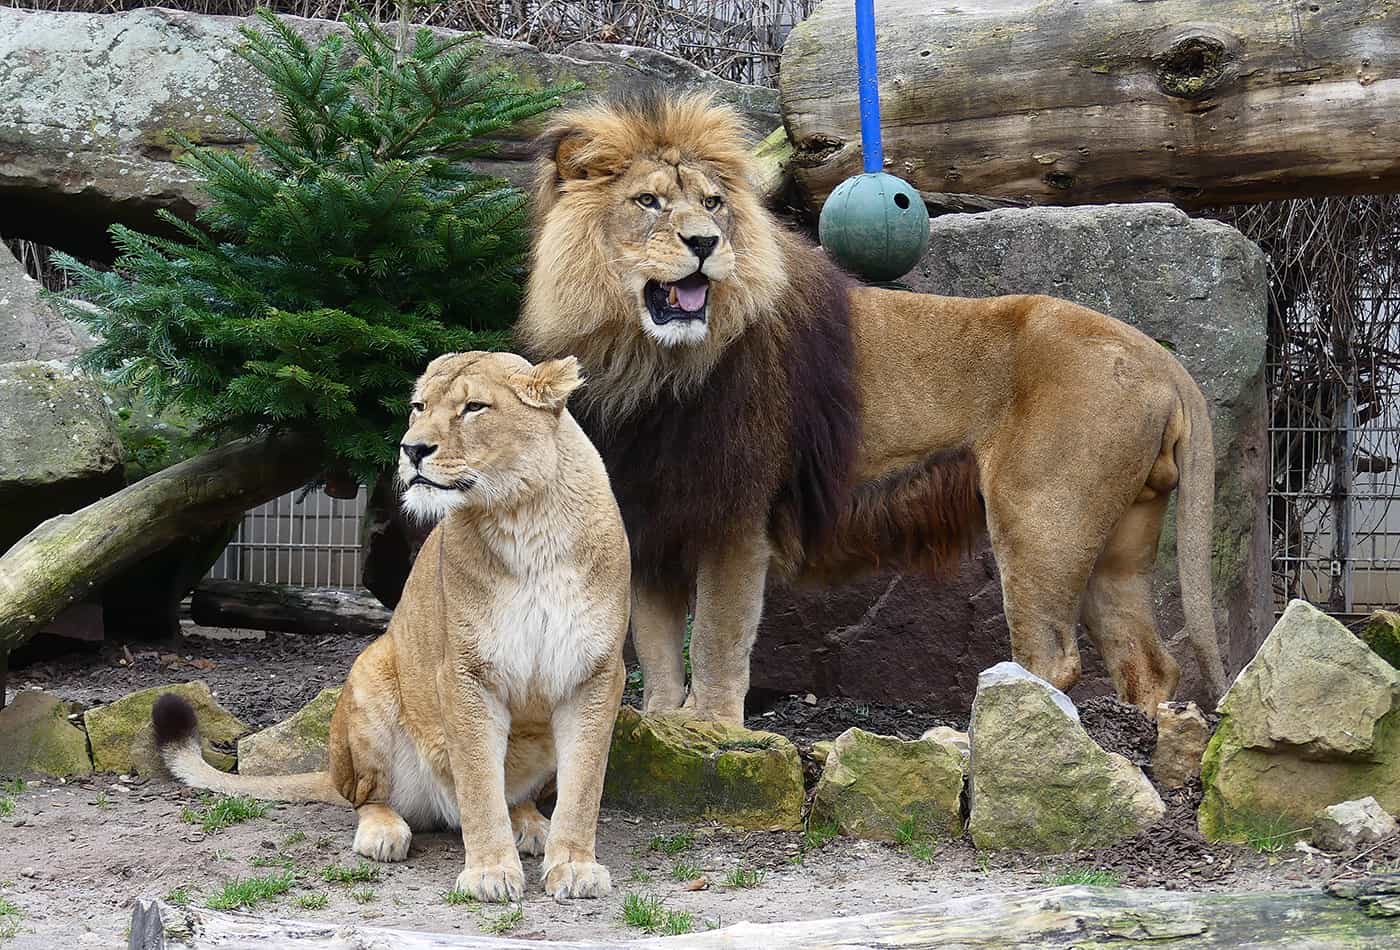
88 102
296 744
1198 286
122 739
1038 781
58 447
1182 734
878 787
1313 719
36 736
1350 825
1381 632
672 767
30 329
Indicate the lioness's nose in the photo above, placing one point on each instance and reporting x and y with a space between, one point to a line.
701 244
417 451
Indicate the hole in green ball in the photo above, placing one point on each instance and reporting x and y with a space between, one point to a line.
902 200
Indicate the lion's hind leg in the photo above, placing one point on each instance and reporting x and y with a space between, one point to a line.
1118 609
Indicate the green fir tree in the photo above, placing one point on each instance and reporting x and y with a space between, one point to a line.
325 273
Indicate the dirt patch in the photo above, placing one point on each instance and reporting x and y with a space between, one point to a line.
806 722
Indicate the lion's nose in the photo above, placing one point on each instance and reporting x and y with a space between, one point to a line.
701 244
417 451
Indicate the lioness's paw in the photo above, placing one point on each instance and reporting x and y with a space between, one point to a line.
577 879
531 832
492 882
383 839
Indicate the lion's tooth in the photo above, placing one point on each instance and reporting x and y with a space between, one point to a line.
672 299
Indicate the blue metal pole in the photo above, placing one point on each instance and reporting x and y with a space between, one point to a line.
869 87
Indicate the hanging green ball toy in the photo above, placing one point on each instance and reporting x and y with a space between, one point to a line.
875 224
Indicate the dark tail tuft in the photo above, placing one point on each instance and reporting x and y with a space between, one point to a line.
173 718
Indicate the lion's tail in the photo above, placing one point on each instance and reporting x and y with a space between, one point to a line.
1195 508
177 737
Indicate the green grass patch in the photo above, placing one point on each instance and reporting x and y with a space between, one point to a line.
648 913
9 919
1270 836
103 802
1091 877
215 812
743 877
282 861
14 786
458 898
7 806
673 844
816 835
639 875
362 873
505 922
684 871
296 837
179 896
363 895
247 892
314 901
919 845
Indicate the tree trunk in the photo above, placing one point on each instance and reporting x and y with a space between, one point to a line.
68 556
1197 102
1359 916
288 609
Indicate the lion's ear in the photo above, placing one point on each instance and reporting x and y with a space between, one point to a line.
547 385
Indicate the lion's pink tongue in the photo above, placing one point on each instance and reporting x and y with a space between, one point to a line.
691 297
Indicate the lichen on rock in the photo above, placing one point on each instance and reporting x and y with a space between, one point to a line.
672 766
875 786
37 736
296 744
122 739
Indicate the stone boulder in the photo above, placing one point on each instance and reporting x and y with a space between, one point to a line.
1313 719
1350 825
1381 632
1038 781
30 329
1182 734
1199 287
37 736
122 739
948 736
296 744
88 103
875 786
669 766
58 447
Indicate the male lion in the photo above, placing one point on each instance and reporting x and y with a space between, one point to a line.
755 407
504 656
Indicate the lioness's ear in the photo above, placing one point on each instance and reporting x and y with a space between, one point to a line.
547 385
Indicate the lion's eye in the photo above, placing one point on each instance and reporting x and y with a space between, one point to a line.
713 202
647 200
472 408
416 406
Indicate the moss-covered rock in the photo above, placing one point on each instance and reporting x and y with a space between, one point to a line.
123 741
1314 719
1381 633
1039 782
876 786
296 744
36 736
670 766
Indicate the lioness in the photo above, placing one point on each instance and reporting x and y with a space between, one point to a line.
756 408
503 661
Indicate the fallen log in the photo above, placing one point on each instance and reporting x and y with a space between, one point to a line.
306 610
1365 915
1197 102
68 556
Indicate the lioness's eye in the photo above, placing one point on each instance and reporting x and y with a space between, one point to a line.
473 407
646 199
713 202
416 406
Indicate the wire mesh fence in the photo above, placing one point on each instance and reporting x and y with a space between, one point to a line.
736 39
304 538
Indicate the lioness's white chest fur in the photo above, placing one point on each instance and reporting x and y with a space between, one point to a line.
540 638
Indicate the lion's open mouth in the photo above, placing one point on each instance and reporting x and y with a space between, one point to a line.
685 299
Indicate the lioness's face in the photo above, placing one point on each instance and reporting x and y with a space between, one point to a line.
482 431
670 235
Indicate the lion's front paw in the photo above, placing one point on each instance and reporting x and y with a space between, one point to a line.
577 879
383 838
493 882
531 832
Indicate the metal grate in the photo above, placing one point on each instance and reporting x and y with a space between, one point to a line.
304 538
